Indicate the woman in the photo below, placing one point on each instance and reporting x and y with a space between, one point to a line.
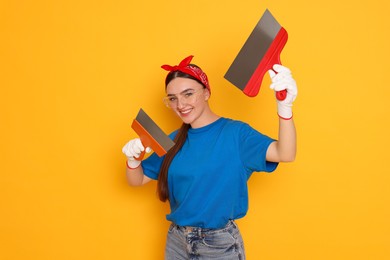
204 176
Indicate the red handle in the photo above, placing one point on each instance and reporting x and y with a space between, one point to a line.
281 95
271 57
141 156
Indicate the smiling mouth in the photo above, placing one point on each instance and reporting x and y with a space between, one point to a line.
185 112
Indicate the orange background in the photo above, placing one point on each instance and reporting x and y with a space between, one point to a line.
73 75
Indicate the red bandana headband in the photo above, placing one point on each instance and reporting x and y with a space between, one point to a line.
185 67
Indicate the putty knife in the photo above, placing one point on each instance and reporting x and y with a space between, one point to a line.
151 135
260 52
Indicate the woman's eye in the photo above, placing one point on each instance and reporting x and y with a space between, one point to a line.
172 99
188 94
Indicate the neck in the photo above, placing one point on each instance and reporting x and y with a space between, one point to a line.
207 118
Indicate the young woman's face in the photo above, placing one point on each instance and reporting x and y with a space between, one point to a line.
187 98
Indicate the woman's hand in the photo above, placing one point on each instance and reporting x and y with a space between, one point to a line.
133 150
282 80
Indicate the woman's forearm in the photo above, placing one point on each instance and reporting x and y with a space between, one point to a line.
136 177
287 143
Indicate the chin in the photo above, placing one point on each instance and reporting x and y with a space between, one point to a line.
186 120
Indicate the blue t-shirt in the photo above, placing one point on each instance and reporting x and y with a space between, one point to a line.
207 179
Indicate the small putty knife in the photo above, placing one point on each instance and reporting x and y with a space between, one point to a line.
259 53
151 135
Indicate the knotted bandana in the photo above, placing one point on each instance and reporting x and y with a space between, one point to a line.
185 67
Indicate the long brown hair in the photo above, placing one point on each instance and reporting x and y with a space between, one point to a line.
162 184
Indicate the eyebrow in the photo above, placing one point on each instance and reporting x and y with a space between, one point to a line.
184 91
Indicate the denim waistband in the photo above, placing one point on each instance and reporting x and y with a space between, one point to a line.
199 230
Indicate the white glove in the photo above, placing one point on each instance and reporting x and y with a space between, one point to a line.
282 80
133 150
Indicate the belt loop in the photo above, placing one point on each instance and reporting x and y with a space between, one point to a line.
234 224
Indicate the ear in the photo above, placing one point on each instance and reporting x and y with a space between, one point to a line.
207 94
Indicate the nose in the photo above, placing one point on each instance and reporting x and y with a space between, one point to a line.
180 102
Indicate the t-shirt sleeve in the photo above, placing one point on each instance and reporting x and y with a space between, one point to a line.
253 149
151 166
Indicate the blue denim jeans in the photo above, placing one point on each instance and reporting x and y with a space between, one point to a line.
196 243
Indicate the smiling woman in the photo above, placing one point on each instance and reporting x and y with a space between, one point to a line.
73 73
204 176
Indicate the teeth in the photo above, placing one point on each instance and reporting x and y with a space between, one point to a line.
185 112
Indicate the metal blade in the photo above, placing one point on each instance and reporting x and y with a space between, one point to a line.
253 50
154 130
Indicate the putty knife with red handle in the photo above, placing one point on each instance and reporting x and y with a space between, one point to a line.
151 135
260 52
